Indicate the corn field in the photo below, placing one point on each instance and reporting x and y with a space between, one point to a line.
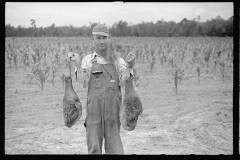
182 57
185 85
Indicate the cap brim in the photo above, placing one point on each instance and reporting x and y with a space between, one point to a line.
100 33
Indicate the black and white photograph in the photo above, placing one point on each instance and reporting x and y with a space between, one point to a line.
132 78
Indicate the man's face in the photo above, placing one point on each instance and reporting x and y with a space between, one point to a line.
101 42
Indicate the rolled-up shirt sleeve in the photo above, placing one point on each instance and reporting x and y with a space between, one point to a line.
121 68
84 64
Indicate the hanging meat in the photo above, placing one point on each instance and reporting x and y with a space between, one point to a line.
72 107
131 107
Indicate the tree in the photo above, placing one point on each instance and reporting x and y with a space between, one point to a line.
10 31
229 27
33 24
121 29
162 28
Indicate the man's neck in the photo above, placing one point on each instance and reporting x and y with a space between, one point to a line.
108 58
102 53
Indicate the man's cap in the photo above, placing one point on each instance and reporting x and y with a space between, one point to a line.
100 29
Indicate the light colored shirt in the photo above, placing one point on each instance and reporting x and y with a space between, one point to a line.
86 64
86 61
120 65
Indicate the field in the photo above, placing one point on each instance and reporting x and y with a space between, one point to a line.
185 85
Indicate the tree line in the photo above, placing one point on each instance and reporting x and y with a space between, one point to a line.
188 28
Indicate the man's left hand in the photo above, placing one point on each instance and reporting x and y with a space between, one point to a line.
130 59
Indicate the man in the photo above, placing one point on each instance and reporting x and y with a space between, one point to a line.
103 76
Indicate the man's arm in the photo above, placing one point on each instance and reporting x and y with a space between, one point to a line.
121 68
124 72
85 72
84 66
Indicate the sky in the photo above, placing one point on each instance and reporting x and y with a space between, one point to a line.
79 14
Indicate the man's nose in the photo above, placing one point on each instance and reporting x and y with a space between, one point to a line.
101 40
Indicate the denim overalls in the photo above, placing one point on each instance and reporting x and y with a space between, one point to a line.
103 106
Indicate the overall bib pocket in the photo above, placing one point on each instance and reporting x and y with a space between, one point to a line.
97 75
97 79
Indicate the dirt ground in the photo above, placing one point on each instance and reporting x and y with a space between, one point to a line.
196 121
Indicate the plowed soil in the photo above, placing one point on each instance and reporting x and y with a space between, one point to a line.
198 120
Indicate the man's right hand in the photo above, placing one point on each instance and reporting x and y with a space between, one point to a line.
73 56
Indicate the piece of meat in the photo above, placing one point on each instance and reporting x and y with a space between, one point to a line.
131 107
72 107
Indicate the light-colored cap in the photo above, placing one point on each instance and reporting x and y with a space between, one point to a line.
100 29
